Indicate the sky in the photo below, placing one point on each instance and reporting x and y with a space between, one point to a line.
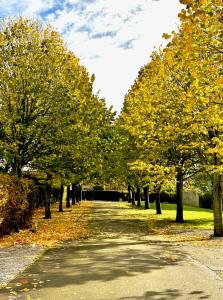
112 38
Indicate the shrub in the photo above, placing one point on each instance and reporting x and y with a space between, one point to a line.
15 211
164 197
205 201
98 187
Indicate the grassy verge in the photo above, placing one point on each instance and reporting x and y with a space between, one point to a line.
195 218
72 224
198 221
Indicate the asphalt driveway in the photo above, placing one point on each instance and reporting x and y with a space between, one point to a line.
120 262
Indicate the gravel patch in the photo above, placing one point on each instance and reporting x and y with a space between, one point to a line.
15 259
209 255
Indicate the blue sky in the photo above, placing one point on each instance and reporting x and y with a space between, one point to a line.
112 38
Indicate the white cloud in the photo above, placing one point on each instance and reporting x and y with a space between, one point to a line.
115 68
24 7
62 19
33 7
113 38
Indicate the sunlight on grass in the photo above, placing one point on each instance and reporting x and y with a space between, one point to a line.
195 218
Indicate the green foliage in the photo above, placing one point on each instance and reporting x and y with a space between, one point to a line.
52 126
98 187
173 112
50 119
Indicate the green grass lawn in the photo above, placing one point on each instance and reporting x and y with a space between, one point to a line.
195 218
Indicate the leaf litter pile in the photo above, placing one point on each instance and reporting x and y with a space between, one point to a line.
72 224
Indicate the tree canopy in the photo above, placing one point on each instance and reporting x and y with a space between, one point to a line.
173 111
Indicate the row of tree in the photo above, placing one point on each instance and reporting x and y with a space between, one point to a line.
171 124
53 128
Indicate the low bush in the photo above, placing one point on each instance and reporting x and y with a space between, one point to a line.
15 209
205 201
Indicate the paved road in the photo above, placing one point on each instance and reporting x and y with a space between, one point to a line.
122 262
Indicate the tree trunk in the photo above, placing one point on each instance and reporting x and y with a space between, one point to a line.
47 201
158 206
217 204
146 197
138 197
61 198
76 193
68 197
73 193
179 187
32 199
129 194
133 197
41 196
80 193
56 195
18 166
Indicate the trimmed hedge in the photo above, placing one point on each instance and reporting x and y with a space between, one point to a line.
102 195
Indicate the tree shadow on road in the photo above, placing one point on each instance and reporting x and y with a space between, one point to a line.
93 261
169 294
101 260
